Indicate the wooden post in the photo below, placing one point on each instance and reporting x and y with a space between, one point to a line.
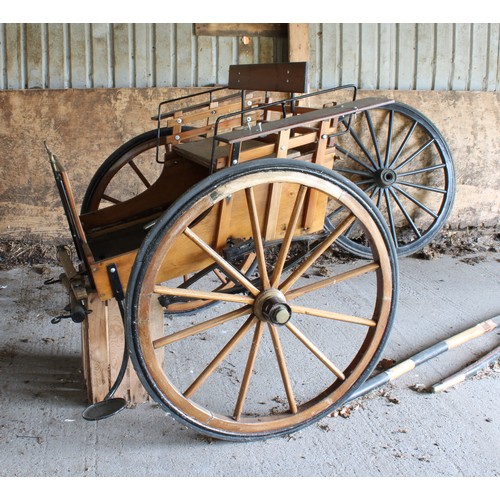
298 42
298 46
102 348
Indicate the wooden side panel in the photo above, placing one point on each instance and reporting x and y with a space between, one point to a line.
130 389
95 341
102 348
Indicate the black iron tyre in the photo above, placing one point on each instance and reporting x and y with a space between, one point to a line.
401 161
293 370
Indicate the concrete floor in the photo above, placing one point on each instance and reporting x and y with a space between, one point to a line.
395 431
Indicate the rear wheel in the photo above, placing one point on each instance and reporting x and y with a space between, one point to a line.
401 161
127 172
295 342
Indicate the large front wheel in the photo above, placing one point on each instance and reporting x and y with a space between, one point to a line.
296 342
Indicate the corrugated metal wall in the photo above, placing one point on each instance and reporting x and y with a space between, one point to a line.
407 56
373 56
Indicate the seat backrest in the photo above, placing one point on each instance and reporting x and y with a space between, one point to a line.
274 77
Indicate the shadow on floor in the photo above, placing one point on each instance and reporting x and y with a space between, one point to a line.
41 376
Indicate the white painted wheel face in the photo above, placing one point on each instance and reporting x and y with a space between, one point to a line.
292 338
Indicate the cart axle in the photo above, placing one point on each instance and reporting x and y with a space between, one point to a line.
271 306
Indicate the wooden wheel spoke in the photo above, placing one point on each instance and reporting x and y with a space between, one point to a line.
354 172
282 366
320 313
223 353
316 254
244 269
392 225
367 181
422 170
287 241
354 158
111 199
365 151
332 280
374 137
141 176
338 373
201 294
221 277
389 138
379 198
403 145
405 213
416 202
414 155
252 355
224 264
201 327
425 188
257 236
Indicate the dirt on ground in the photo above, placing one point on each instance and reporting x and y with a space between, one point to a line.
27 251
471 245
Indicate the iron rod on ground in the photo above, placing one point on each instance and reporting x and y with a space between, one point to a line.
467 372
424 356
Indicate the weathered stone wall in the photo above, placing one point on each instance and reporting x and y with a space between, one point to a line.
82 127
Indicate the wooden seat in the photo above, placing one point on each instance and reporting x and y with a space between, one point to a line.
304 119
200 152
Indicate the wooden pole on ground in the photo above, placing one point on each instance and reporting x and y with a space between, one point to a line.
467 372
424 356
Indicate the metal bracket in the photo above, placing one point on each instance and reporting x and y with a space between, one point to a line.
116 287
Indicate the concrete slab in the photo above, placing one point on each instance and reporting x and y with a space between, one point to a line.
393 432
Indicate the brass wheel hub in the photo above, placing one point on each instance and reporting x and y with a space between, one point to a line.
271 306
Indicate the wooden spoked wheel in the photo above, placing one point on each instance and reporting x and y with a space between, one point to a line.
296 342
127 172
401 161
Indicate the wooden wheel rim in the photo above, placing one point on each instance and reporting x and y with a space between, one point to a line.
123 161
145 307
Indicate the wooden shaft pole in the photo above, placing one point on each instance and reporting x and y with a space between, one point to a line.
424 356
467 372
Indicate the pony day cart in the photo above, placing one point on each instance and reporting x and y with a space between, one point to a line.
211 249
